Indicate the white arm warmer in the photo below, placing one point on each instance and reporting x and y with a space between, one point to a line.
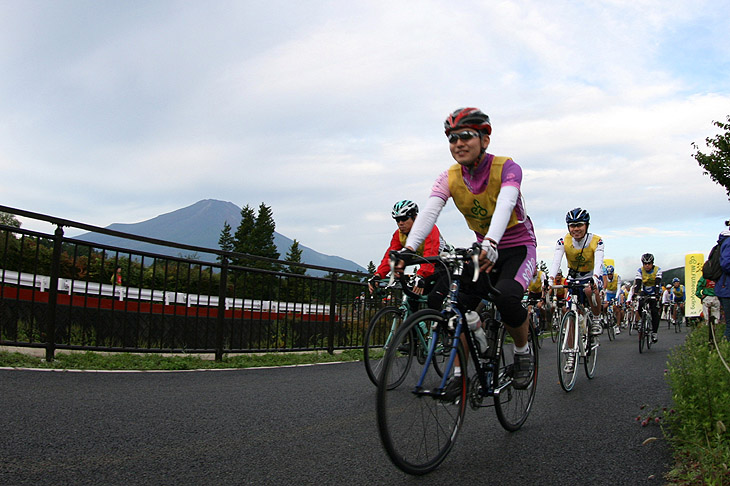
506 202
424 222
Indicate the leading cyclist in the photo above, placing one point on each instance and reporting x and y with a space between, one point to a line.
486 190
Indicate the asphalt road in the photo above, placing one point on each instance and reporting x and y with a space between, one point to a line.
317 425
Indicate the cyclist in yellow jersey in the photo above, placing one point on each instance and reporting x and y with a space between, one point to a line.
486 190
613 294
678 296
648 282
584 254
536 291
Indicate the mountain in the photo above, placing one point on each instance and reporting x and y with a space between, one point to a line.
201 225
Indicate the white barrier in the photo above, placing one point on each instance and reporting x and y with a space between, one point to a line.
69 286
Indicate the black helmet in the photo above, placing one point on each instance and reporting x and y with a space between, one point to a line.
468 118
577 215
647 258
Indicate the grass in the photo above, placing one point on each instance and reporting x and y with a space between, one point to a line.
129 361
698 430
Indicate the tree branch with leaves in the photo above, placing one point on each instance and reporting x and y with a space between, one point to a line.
716 164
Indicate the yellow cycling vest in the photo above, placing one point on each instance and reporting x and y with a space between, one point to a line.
536 286
479 208
649 278
580 260
612 285
402 237
678 291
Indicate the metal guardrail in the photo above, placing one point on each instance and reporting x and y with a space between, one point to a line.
53 294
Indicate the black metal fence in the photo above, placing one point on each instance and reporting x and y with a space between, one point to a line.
63 293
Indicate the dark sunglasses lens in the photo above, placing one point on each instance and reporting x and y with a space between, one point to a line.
401 219
454 137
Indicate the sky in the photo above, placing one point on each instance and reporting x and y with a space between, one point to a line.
329 112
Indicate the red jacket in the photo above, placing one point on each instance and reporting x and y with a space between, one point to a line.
431 247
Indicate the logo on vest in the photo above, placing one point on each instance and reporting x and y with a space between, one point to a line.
480 213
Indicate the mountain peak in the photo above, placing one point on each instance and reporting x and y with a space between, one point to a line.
200 224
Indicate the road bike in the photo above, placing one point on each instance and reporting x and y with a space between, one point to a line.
557 310
680 317
609 323
381 332
576 344
419 421
534 318
631 321
644 325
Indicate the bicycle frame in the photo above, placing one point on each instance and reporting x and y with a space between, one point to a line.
454 327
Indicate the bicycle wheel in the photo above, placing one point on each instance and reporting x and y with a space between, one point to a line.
678 322
591 349
610 323
513 405
555 325
378 338
535 329
642 332
647 332
565 349
417 426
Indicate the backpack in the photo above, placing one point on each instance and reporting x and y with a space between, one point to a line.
711 269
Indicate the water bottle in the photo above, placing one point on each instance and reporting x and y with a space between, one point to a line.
472 320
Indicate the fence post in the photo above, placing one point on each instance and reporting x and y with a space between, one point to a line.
222 286
333 315
53 294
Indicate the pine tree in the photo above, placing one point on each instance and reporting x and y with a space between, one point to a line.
263 234
295 255
371 268
226 241
242 240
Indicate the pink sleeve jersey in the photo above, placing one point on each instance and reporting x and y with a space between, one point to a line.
520 234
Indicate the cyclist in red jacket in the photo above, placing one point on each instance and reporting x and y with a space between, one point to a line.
404 213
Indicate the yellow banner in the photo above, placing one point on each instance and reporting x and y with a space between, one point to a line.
692 273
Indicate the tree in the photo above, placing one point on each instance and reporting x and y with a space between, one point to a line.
226 241
263 234
9 220
295 255
371 268
717 163
242 239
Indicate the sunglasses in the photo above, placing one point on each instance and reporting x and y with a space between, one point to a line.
402 219
466 135
575 225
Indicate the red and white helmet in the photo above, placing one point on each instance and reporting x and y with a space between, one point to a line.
468 118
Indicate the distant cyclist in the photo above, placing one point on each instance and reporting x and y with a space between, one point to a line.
560 293
613 296
536 292
404 213
678 297
648 282
584 254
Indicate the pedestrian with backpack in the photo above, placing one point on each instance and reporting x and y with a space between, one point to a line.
722 285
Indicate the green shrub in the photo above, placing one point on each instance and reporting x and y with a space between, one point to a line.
700 384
